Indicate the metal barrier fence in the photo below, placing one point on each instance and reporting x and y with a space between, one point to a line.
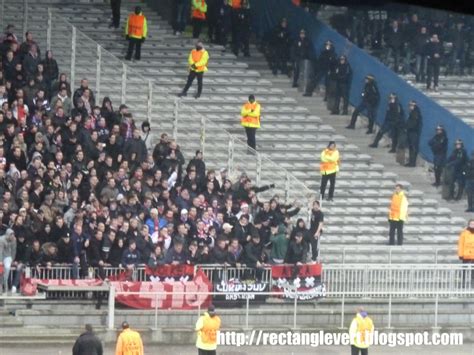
66 272
341 280
431 254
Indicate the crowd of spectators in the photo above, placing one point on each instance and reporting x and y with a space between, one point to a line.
407 38
82 185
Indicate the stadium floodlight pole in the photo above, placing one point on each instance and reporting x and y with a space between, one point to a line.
48 31
111 308
149 101
124 82
98 69
175 119
73 56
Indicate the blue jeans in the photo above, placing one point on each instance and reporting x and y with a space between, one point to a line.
182 15
7 265
470 194
420 67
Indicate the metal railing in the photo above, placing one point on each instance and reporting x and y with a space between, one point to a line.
391 255
341 280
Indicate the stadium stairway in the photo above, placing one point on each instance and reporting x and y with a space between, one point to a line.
294 130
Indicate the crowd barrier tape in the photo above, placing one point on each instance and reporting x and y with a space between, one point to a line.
268 13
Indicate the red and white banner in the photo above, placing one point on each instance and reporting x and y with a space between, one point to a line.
165 295
171 291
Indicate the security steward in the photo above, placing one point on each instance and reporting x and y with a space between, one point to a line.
198 15
413 126
466 246
250 120
207 328
129 342
329 167
197 60
360 333
136 31
392 124
397 215
370 101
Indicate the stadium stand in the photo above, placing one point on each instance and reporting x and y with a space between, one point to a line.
164 61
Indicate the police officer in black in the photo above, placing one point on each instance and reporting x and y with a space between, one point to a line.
321 68
439 147
470 184
457 163
392 124
280 47
370 101
300 51
343 83
413 127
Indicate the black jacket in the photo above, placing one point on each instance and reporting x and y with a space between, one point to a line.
301 49
421 43
343 73
253 253
469 173
439 144
87 344
433 49
326 59
371 93
394 114
296 252
394 39
458 160
414 121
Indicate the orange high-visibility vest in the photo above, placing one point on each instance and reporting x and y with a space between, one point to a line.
199 9
199 59
466 245
398 207
236 4
136 25
329 161
250 115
